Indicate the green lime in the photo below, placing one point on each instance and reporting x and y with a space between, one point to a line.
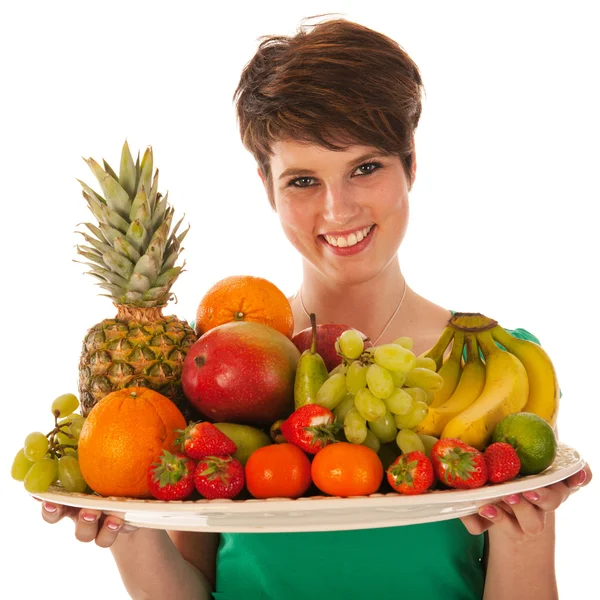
532 438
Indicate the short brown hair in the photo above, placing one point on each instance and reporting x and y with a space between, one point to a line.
336 83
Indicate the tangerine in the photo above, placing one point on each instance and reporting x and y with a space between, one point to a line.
278 471
245 298
122 436
344 469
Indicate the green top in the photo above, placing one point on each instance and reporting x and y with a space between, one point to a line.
415 562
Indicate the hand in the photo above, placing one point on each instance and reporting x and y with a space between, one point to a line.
89 524
523 516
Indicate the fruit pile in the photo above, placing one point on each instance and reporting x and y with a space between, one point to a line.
236 406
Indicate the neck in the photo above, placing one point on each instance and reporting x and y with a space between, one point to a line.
366 306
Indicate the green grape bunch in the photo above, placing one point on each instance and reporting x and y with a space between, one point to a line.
380 394
46 459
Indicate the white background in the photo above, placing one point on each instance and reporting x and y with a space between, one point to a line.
504 211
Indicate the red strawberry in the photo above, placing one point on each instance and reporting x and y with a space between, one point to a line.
411 473
219 477
311 428
171 477
202 439
457 464
502 462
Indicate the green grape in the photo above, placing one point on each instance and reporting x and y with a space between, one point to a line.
424 378
69 474
356 377
341 410
76 426
369 406
355 427
428 442
379 381
409 441
341 368
332 391
405 342
399 402
21 465
35 446
429 396
41 475
351 344
63 435
384 428
64 405
70 451
398 377
426 363
418 394
413 418
371 441
394 357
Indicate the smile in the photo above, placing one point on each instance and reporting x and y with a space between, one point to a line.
345 241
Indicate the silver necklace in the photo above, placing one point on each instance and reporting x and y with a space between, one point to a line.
299 293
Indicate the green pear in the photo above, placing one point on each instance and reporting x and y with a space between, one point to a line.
311 372
246 438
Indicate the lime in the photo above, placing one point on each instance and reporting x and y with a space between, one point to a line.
532 438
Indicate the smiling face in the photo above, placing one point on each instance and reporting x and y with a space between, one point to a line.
345 211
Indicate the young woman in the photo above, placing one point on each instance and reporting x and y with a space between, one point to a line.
330 115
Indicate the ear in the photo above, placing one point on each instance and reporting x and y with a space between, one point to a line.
267 187
262 176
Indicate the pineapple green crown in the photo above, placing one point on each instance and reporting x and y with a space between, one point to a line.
133 251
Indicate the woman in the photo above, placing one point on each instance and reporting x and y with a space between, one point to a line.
330 115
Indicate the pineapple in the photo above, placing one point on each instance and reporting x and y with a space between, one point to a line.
132 254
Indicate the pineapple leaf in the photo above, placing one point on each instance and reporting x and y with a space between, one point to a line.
91 192
139 201
96 232
169 261
97 244
122 246
168 278
159 214
114 290
155 293
114 219
109 276
119 264
146 172
146 266
110 233
95 206
138 283
182 235
153 192
95 257
117 198
127 171
110 171
132 297
137 235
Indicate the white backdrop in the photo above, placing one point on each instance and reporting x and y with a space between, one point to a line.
504 211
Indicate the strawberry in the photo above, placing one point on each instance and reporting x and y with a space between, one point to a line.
457 464
171 477
202 439
311 428
411 473
502 462
219 477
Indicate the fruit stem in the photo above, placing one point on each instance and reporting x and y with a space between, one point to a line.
487 344
313 324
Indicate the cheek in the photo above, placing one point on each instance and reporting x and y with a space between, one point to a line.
295 222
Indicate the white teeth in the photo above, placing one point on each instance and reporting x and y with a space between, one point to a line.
350 240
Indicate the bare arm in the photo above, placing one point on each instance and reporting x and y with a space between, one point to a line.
152 566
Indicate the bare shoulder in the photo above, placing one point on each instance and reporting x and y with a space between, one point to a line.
199 549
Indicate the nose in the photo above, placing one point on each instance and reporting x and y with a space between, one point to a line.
340 204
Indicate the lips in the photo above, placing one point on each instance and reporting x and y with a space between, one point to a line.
348 246
350 239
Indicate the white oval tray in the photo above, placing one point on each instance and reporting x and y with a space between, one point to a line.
316 513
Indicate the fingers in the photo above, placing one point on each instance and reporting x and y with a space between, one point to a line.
580 479
527 521
476 524
53 513
109 531
87 524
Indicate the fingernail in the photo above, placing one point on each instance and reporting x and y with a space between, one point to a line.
533 496
89 518
582 477
113 526
49 507
489 512
514 499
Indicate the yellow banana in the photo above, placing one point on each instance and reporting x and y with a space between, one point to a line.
437 352
450 371
469 388
544 392
505 392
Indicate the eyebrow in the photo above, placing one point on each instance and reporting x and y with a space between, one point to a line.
300 172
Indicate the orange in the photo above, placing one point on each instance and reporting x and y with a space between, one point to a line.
245 298
122 436
344 469
278 471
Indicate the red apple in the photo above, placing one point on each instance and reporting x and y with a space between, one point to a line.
327 334
241 372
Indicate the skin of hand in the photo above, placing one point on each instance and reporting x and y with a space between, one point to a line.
90 525
522 516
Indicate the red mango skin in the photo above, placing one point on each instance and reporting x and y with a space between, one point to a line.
241 372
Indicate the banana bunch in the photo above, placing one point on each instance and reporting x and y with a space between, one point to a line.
479 392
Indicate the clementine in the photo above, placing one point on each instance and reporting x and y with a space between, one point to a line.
122 436
245 298
278 471
344 469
